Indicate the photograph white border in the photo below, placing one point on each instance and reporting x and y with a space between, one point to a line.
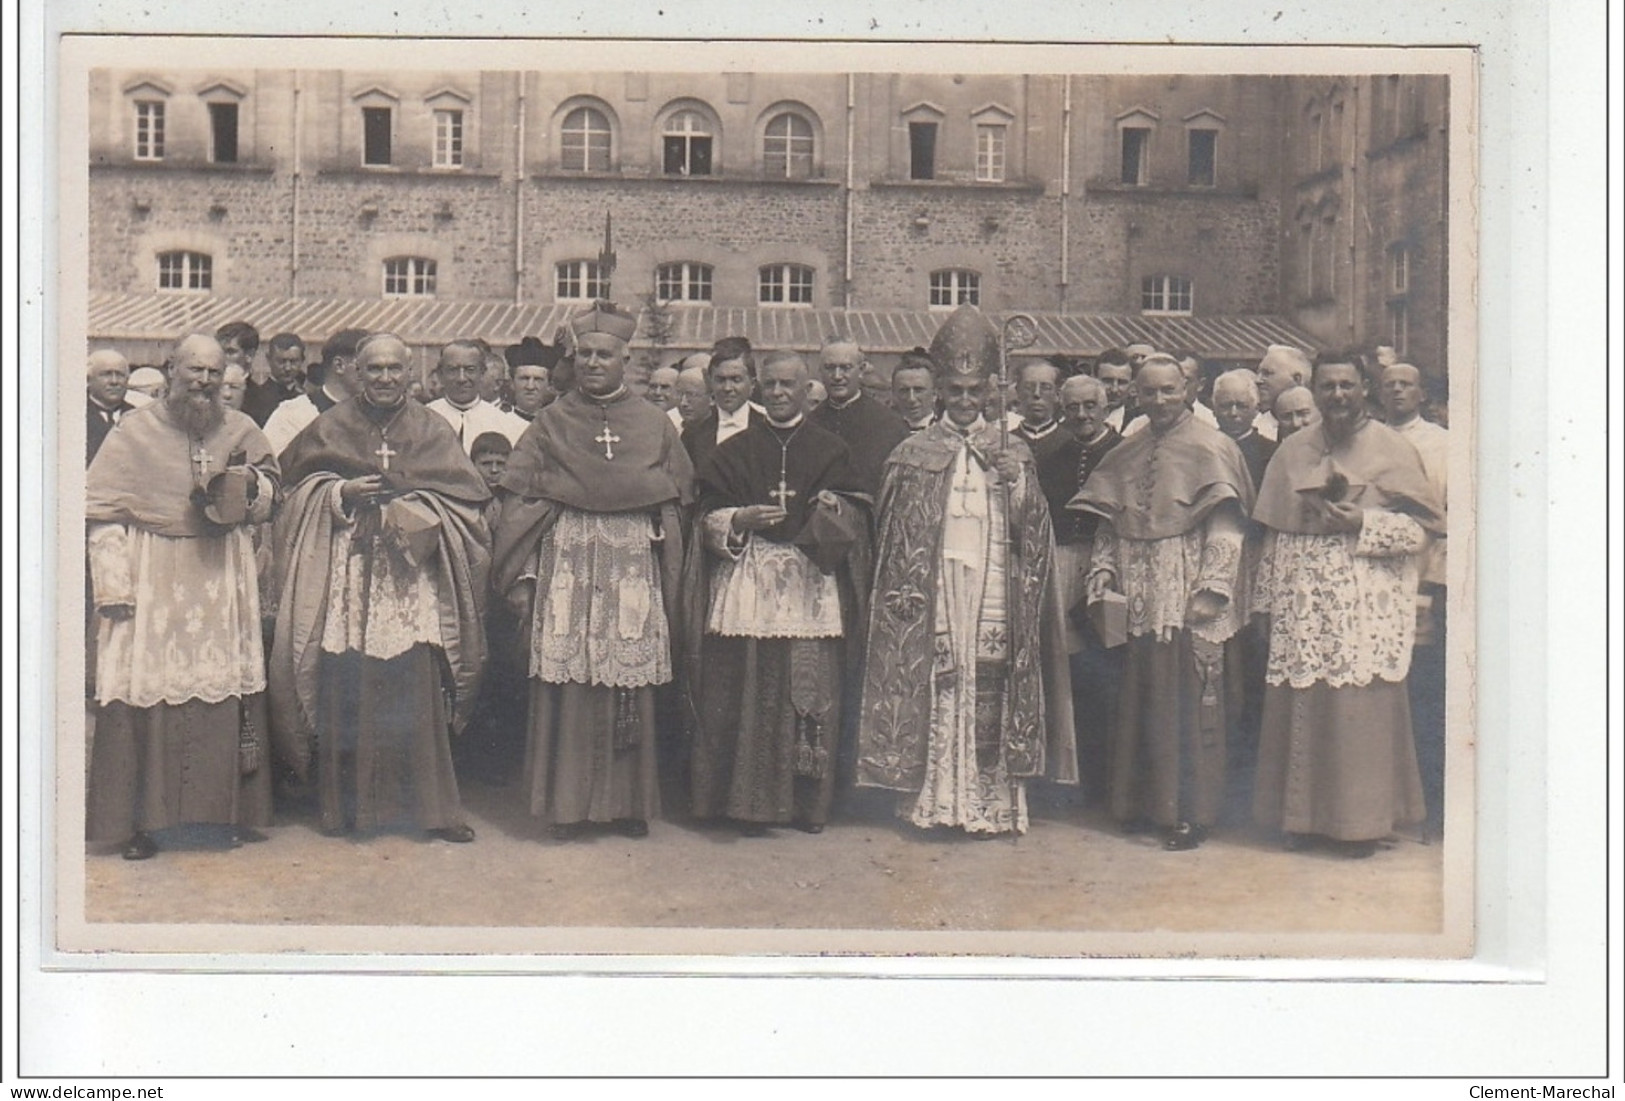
1557 1033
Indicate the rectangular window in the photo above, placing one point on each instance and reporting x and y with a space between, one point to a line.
409 277
955 287
1399 269
149 130
1136 143
185 271
579 281
377 125
1165 294
223 133
922 150
1204 157
1399 325
683 282
990 153
785 285
448 139
1317 152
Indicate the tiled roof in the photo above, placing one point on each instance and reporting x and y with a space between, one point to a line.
435 321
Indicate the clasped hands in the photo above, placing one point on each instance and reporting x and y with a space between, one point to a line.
758 517
368 489
1342 516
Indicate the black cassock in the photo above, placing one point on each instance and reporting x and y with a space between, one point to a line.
767 710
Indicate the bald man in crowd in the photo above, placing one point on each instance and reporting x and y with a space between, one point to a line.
1401 394
691 395
1235 407
107 376
1294 410
868 428
180 665
1282 368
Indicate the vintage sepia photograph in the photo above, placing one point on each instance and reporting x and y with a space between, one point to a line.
766 499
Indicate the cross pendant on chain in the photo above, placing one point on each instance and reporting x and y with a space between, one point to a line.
783 493
606 437
385 453
201 457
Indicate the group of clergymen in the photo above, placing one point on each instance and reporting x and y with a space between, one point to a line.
773 594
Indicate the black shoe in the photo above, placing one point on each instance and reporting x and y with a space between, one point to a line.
1298 842
1356 850
808 827
337 831
460 834
751 829
567 831
245 835
631 827
140 846
1183 837
983 835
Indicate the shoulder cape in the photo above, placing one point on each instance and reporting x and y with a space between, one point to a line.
145 471
1158 485
1380 467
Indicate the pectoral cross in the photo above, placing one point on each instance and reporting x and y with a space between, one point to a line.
385 453
783 493
203 461
606 437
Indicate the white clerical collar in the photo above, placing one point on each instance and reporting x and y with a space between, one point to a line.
1040 432
739 418
469 408
1406 426
851 401
332 396
1098 436
791 423
922 425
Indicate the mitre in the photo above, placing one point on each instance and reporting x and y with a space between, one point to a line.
967 344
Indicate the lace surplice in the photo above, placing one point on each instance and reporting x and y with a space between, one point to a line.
600 619
1341 607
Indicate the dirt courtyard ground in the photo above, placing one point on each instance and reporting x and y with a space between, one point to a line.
1071 872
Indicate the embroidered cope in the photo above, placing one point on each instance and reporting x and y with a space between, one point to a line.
970 661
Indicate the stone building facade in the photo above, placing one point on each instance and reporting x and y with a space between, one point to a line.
1153 196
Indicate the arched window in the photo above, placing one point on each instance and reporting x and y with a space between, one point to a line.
787 147
952 287
686 145
579 281
409 277
585 137
184 270
784 285
683 281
